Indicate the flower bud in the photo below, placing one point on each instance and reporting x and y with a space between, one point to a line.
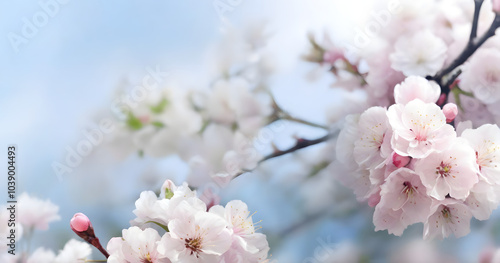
496 6
80 222
332 56
400 161
81 225
450 111
167 189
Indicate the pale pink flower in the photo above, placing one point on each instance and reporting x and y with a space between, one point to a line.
245 241
481 75
36 213
384 218
404 191
372 128
447 217
453 171
420 54
415 87
485 140
74 251
135 245
195 236
419 129
483 199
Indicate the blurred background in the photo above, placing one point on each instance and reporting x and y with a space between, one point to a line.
58 80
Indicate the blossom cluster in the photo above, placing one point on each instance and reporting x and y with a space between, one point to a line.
407 38
35 214
193 230
415 167
209 127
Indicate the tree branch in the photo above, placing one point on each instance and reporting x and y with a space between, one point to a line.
477 9
300 144
471 47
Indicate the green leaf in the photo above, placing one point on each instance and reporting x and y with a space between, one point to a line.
160 107
158 124
133 122
160 225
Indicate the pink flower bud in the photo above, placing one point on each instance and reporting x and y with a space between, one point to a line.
496 6
400 161
80 222
332 56
450 111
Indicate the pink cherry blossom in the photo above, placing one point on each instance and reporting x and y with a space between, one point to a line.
372 128
415 87
485 140
421 54
384 218
404 191
483 199
419 129
195 236
451 172
447 217
135 245
245 241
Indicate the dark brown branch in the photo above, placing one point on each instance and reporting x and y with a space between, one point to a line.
477 9
471 47
300 144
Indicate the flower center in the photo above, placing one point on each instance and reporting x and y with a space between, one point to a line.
443 169
194 244
408 188
446 213
147 259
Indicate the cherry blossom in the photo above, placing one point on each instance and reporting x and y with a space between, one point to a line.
135 245
447 217
420 54
451 172
35 213
404 191
485 140
195 236
415 87
480 75
419 129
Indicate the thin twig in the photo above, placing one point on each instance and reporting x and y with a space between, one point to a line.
300 144
471 47
477 9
